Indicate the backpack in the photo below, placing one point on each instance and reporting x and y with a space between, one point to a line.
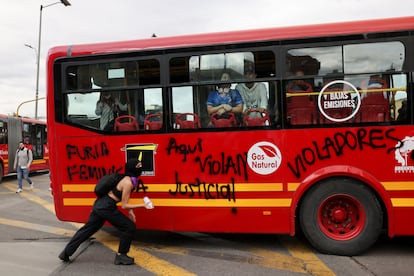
27 151
107 183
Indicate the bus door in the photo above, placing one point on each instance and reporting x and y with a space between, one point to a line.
35 135
14 128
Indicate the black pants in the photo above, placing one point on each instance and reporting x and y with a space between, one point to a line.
104 209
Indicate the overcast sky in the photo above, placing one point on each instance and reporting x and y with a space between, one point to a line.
88 21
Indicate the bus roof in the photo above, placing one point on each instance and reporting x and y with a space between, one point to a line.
280 33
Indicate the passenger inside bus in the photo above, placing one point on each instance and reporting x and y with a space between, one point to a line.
375 102
254 94
108 107
223 104
301 105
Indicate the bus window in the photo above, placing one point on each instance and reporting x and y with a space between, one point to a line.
383 99
210 67
86 85
81 109
179 70
185 115
314 61
374 57
340 71
152 109
3 133
401 112
148 74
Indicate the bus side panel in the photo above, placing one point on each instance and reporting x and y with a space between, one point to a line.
194 181
404 222
377 152
232 220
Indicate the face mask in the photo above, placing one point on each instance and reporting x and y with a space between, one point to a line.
131 169
224 90
107 96
134 181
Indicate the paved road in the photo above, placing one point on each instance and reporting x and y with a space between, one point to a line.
31 238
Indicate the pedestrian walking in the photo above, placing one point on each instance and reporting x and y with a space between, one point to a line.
22 161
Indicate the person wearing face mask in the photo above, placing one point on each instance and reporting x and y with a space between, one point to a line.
108 107
105 209
254 94
224 99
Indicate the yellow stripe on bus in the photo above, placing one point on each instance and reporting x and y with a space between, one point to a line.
40 161
245 187
291 187
402 202
166 202
240 187
399 186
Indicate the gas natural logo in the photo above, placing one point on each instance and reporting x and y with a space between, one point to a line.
264 158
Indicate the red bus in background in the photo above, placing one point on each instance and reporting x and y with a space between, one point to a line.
32 132
331 155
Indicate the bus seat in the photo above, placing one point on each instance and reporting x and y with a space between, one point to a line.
301 109
375 103
226 120
187 121
153 121
262 120
125 123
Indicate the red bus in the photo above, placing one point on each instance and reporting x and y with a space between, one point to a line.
31 132
330 154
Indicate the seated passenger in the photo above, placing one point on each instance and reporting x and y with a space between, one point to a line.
224 99
254 94
108 107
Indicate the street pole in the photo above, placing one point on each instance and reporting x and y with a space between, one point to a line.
66 3
38 63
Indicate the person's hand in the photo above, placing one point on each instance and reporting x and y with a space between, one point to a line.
132 216
227 107
221 111
262 109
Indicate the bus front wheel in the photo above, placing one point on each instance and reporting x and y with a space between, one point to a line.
341 216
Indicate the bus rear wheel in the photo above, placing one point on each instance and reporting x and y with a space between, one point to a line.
341 216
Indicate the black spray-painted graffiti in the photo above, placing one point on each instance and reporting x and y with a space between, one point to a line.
338 145
183 149
202 189
223 165
81 171
227 164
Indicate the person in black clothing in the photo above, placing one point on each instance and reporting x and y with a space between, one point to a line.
105 209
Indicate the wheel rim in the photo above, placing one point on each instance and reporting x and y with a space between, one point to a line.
341 217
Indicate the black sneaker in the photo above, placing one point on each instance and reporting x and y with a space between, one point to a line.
64 257
122 259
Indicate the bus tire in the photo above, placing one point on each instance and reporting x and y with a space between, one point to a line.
341 216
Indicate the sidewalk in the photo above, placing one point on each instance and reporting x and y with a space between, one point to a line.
34 258
28 247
